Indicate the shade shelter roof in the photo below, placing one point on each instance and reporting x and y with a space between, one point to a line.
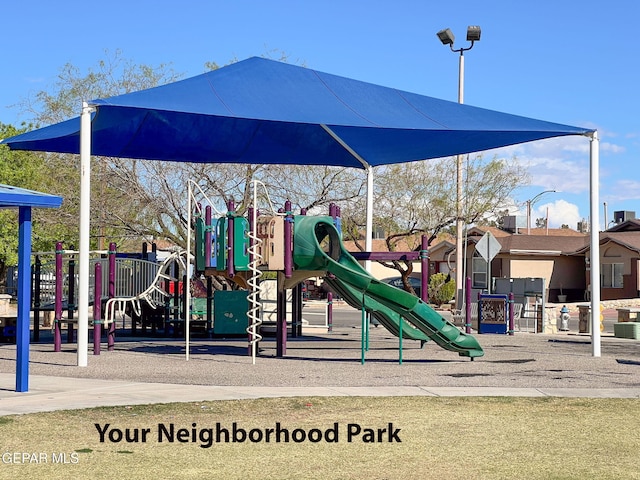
21 197
263 111
24 200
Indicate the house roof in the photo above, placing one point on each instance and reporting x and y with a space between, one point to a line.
542 244
546 232
626 239
541 241
632 225
380 245
495 231
559 241
629 239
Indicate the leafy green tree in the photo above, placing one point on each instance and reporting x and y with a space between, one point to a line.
25 170
114 208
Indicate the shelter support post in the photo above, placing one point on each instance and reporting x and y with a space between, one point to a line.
595 243
85 222
187 284
368 241
24 300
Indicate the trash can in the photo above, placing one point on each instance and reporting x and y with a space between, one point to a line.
584 318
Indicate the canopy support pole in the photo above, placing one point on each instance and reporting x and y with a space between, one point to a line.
595 243
187 287
85 223
368 241
24 299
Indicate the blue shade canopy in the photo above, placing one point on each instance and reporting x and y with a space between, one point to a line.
21 197
263 111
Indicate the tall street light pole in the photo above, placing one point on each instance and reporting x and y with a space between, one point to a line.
447 38
529 204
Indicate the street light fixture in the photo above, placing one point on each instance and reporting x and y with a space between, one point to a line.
530 203
447 38
473 34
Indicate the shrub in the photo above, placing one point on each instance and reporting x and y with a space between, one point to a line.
442 288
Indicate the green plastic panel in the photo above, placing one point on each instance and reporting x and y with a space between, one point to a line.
230 312
241 244
221 243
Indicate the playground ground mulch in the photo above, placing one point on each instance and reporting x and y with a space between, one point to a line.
524 360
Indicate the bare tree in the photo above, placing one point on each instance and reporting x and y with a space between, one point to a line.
418 198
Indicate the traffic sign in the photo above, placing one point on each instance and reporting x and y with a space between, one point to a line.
488 247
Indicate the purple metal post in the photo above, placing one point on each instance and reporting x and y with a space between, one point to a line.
230 238
281 317
207 236
35 274
511 320
288 240
112 270
467 302
57 336
111 336
71 291
97 307
424 275
332 210
329 312
252 228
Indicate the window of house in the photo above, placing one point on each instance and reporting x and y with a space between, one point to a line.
478 271
611 274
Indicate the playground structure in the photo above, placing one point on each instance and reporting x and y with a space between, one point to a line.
134 284
240 249
297 247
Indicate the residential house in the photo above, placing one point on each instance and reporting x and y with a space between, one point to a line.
543 253
619 261
559 255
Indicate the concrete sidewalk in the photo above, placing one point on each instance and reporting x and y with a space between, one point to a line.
64 393
144 370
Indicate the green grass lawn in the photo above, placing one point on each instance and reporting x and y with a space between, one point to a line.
465 438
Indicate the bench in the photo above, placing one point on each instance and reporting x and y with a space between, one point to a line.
628 314
460 316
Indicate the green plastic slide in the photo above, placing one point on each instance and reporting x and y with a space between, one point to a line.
317 246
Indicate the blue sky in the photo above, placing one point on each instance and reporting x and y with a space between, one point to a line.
565 61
